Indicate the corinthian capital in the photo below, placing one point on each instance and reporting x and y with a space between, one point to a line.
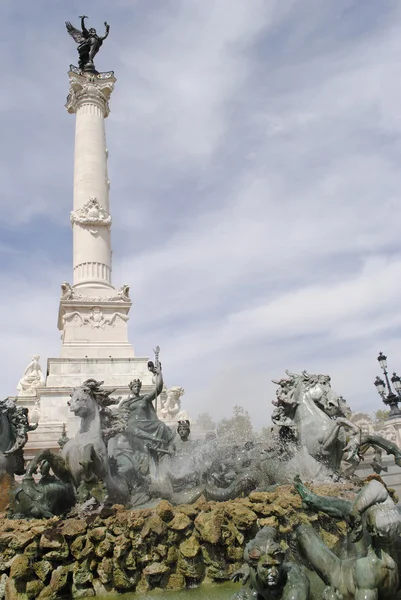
96 88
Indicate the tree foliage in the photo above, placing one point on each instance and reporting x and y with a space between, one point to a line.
205 422
381 415
238 427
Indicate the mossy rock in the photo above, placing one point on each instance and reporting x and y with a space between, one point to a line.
43 570
20 567
33 588
153 524
190 547
243 517
180 522
59 584
209 525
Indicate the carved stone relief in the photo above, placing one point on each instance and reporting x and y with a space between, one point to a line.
96 319
68 293
91 214
84 87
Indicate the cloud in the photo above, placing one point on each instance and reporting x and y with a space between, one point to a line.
254 164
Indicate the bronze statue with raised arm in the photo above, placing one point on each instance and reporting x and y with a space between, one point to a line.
89 43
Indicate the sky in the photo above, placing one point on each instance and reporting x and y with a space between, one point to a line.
254 159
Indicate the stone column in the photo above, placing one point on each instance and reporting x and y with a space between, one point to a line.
93 315
395 423
88 99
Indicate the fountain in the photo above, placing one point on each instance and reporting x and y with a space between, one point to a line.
131 503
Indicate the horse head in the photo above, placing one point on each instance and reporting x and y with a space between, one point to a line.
318 388
83 399
91 403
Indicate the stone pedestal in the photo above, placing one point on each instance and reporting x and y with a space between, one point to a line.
63 375
94 328
395 424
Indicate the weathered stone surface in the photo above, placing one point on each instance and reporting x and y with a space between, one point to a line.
88 549
155 569
176 581
166 547
20 567
6 486
262 497
21 539
231 535
173 537
105 570
43 569
121 547
54 544
243 517
269 522
97 534
188 509
103 590
180 522
5 564
33 588
192 568
11 592
130 560
121 580
106 546
161 550
82 592
143 585
58 584
51 540
201 504
235 553
38 529
209 524
172 555
73 527
137 519
190 548
6 538
3 581
165 511
81 574
117 529
31 550
211 555
153 524
77 546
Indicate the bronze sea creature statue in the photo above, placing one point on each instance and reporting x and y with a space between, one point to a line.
89 43
370 571
14 428
266 575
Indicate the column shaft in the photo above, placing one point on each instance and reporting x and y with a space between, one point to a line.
90 218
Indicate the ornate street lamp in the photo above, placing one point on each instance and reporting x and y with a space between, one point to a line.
390 399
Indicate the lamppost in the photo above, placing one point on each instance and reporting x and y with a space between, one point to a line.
390 399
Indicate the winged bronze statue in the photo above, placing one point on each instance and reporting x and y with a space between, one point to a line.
89 43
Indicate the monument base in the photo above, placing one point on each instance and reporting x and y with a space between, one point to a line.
63 375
